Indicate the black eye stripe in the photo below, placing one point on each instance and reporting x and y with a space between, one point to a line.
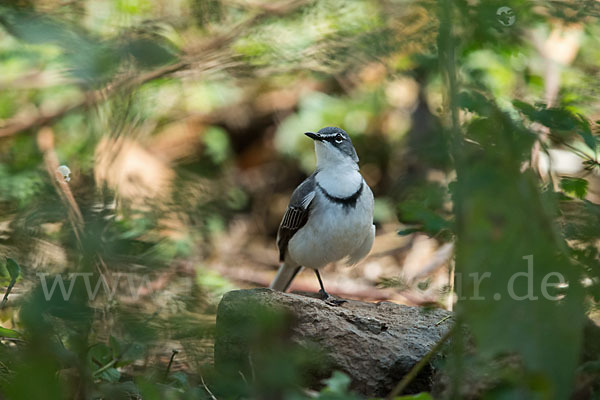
332 138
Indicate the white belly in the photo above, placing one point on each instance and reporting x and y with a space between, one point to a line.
333 234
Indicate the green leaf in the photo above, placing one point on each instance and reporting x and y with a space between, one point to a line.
149 389
575 219
133 352
415 212
34 28
9 333
418 396
13 268
559 119
474 102
408 231
590 367
506 253
574 187
101 353
179 379
147 52
589 139
110 375
217 145
87 57
338 383
119 390
525 108
424 208
98 356
115 346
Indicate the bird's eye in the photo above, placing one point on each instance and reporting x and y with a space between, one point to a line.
339 138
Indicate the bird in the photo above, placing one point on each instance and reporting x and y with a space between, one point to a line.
330 214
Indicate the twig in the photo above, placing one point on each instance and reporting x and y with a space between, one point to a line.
442 320
173 354
112 362
105 367
8 289
251 364
408 378
45 141
212 396
90 98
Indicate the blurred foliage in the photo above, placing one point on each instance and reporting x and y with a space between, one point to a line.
160 108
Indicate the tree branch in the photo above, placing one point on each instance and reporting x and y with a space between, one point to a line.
94 97
90 99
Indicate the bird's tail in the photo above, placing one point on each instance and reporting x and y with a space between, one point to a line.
284 276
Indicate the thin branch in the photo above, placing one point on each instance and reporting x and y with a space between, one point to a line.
212 396
105 367
442 320
45 141
173 354
412 374
114 360
90 99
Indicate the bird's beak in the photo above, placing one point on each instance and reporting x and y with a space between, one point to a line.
313 136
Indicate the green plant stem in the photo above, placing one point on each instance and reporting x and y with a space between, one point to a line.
104 367
8 290
412 374
443 319
447 63
112 362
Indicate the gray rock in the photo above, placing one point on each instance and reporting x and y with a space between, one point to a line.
375 344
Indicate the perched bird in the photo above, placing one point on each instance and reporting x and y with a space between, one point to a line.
330 215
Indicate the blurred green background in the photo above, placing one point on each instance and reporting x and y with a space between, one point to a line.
181 124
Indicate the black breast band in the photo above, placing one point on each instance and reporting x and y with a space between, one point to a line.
349 201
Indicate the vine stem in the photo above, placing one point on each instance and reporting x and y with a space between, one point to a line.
104 367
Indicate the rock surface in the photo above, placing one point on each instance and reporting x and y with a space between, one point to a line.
375 344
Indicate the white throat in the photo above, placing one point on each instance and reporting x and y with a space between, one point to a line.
338 173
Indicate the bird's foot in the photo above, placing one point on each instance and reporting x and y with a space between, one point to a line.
328 299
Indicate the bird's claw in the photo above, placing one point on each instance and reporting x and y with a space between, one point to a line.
330 300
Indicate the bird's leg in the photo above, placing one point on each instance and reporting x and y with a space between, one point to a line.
325 296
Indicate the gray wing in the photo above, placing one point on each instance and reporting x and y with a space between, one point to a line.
296 215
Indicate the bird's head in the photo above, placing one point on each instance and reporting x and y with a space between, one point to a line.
333 147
